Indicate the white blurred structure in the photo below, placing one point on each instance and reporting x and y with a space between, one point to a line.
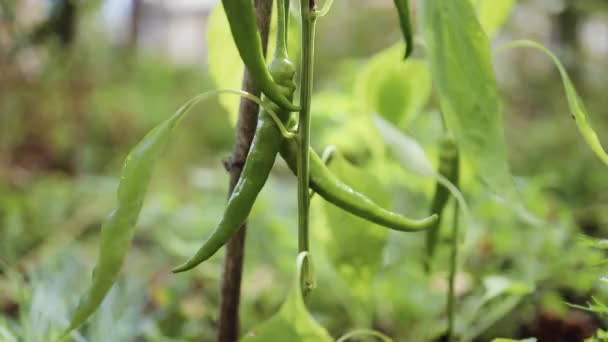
174 28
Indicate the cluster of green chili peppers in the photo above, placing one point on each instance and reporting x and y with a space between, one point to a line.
276 82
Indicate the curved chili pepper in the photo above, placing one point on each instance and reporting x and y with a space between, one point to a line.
333 190
242 20
448 167
403 9
261 157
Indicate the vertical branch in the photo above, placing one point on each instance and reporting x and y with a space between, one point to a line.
228 330
303 160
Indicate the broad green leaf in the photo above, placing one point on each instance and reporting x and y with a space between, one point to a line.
462 71
355 246
293 322
412 157
493 14
395 89
577 107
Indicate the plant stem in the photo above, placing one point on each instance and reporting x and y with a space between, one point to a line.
303 167
452 276
228 329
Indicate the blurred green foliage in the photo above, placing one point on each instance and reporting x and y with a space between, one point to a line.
68 119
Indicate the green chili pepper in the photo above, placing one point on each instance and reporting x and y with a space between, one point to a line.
448 168
260 159
403 9
328 186
242 20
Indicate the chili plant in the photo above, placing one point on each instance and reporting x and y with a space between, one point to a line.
455 35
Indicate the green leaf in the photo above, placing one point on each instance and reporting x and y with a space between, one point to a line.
493 14
354 246
577 107
412 157
498 285
532 339
395 89
118 228
293 322
462 71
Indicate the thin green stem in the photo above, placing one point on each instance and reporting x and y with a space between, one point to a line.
325 9
281 47
452 276
303 160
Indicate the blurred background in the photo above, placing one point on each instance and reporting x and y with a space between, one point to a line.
82 81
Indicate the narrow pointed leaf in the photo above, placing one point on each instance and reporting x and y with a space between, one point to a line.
118 228
577 107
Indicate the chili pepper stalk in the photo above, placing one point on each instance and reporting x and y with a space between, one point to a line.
303 159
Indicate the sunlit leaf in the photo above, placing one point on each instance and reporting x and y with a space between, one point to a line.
498 285
493 14
412 157
463 75
355 246
395 89
577 108
293 322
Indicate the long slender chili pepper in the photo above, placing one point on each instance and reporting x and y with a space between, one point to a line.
448 167
326 184
403 9
260 159
241 17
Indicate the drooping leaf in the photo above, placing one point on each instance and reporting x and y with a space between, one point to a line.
355 246
577 107
119 226
395 89
493 14
293 322
462 72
